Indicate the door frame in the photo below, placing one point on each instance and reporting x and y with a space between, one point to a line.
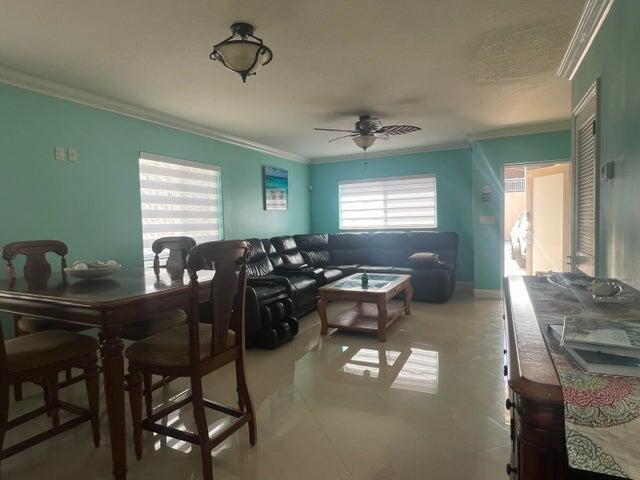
592 91
502 200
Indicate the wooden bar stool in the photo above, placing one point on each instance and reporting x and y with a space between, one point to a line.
37 269
175 264
197 349
39 357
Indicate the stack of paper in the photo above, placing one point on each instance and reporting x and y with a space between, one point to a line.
599 345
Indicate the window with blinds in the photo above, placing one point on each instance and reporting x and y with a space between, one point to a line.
388 203
179 198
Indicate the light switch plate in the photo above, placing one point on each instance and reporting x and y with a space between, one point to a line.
487 219
58 153
73 154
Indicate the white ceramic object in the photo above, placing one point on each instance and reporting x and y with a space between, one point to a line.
91 273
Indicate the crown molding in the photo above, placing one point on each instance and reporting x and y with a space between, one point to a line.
54 89
521 130
391 153
593 15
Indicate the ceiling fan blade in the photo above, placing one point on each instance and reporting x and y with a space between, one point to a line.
334 130
381 136
398 129
344 136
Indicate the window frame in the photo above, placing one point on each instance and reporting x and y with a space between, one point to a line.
383 179
187 163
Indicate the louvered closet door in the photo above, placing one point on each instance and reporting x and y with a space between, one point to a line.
586 152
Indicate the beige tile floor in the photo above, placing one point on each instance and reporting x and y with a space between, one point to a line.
427 404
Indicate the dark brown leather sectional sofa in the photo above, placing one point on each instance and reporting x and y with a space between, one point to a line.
286 272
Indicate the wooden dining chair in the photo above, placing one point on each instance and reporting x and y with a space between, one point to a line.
43 355
197 349
37 268
176 263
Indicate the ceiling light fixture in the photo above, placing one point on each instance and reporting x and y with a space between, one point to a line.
364 141
241 54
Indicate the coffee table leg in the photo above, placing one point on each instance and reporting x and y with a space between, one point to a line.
408 295
322 311
382 320
113 364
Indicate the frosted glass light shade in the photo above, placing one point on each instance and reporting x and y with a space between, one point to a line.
364 141
240 56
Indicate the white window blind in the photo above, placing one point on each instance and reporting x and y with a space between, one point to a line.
400 202
179 198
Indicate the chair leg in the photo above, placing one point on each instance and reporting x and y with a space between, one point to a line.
92 383
134 386
148 393
68 375
243 393
52 398
202 427
17 392
4 412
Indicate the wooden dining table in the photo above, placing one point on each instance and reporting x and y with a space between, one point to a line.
127 296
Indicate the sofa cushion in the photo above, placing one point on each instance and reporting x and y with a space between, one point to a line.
349 248
258 264
445 244
375 268
284 243
389 248
314 248
268 292
332 274
287 249
345 269
402 270
423 259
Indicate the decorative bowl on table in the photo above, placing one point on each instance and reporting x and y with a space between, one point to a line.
93 270
583 287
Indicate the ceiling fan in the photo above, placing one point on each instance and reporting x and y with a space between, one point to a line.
369 129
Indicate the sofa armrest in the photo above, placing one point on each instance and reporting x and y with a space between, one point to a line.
270 280
292 267
439 265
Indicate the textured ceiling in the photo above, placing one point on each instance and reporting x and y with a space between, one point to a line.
452 67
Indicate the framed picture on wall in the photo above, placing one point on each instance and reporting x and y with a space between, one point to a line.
276 188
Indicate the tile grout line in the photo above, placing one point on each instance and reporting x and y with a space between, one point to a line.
325 434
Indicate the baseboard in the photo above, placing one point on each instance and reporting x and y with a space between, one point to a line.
464 286
487 294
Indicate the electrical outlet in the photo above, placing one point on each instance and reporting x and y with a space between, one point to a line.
58 153
72 154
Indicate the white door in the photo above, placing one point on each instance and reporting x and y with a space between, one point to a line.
549 206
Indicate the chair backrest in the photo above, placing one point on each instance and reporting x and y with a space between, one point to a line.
228 259
34 251
178 248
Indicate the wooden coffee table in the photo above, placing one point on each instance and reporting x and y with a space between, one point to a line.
376 310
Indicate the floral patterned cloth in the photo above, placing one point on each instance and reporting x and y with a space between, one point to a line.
602 413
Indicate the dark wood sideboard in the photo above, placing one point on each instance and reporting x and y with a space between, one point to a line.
535 396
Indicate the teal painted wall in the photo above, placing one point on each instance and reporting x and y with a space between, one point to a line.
614 58
453 172
94 205
489 156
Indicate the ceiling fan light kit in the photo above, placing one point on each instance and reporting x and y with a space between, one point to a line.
242 52
369 129
364 141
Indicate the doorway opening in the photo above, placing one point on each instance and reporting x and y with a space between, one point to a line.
537 217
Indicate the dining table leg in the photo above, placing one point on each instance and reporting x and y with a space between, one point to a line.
113 365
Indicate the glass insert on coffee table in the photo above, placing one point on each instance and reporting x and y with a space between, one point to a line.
376 309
